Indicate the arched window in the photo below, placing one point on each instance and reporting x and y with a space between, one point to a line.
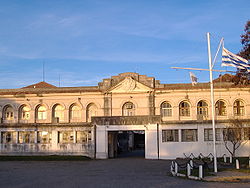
202 109
24 112
41 112
184 109
128 109
75 113
166 109
220 108
58 112
91 111
8 113
239 109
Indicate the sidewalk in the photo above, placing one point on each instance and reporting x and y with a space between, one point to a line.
229 176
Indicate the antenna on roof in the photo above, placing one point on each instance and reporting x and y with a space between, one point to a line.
59 80
43 72
135 69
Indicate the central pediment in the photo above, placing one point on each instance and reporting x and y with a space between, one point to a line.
129 85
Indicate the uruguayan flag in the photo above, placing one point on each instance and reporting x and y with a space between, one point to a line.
233 60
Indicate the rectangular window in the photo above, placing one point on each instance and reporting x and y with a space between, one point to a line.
8 137
26 137
44 137
66 137
170 135
231 134
208 134
83 136
189 135
246 133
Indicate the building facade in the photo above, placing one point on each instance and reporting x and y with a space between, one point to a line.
43 119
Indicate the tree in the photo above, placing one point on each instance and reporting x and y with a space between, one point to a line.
232 136
245 52
245 41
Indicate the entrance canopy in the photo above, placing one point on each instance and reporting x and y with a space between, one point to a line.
108 127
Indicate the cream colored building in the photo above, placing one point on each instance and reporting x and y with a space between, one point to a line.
42 119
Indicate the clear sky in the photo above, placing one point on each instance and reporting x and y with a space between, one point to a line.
85 41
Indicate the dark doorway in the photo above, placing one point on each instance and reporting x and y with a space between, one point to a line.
112 144
127 144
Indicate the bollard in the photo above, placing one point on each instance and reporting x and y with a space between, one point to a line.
188 170
211 158
200 172
230 159
225 159
176 167
191 164
171 167
237 164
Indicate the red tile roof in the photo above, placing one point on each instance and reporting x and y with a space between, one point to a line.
225 78
40 85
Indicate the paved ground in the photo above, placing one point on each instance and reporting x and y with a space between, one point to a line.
116 173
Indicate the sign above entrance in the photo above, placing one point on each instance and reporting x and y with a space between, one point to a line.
126 120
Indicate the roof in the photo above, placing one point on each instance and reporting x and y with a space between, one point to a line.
40 85
45 88
224 81
23 91
225 78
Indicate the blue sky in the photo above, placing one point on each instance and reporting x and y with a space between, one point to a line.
87 40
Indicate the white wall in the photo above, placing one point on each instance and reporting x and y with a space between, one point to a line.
151 148
172 150
167 150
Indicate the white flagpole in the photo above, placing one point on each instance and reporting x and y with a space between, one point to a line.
211 90
212 100
221 44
